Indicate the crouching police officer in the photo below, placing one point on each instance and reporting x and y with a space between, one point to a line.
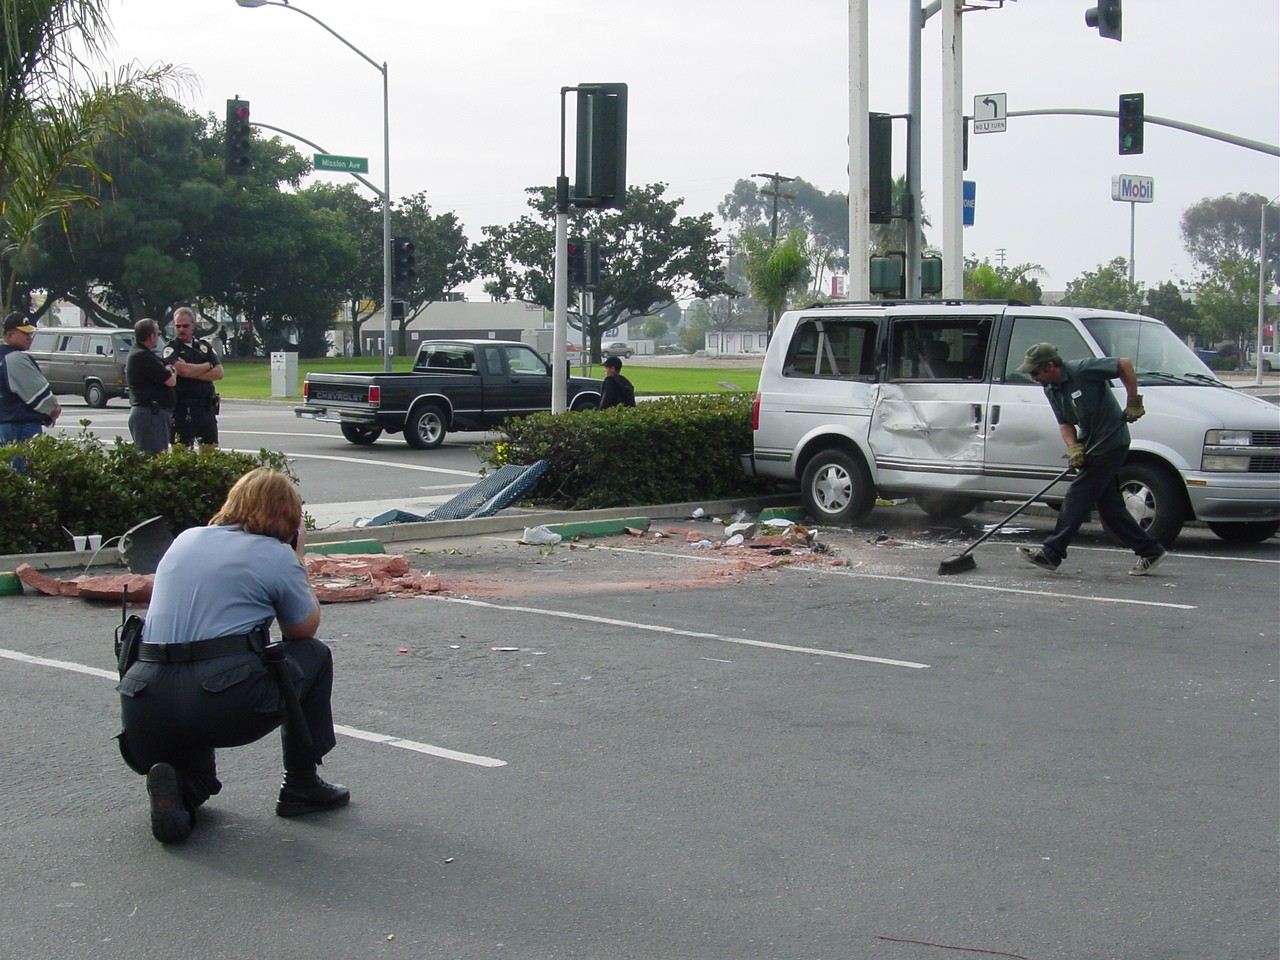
196 415
204 678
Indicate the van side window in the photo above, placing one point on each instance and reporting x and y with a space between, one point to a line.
71 343
43 341
832 347
936 348
1028 331
100 346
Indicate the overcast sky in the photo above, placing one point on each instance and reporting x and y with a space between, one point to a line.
723 89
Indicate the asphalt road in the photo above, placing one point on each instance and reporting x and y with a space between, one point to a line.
636 748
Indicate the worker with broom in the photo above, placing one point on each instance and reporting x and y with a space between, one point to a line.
1079 391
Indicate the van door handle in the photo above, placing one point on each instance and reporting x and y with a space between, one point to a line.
995 414
977 418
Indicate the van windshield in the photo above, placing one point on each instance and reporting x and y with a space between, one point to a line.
1158 355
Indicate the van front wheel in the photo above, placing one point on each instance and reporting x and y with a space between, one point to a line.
95 395
837 488
1154 499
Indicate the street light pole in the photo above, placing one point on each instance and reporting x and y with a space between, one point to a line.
386 165
1262 291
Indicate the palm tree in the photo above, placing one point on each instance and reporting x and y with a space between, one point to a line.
774 272
52 112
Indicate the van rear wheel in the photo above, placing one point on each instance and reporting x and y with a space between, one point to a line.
837 488
95 395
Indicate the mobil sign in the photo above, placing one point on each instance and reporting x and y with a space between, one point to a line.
1133 189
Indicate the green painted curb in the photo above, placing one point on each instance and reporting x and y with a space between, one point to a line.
348 546
598 528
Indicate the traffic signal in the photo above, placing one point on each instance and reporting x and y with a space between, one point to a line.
887 276
880 164
601 169
577 262
591 264
1132 115
1106 17
403 260
239 137
930 274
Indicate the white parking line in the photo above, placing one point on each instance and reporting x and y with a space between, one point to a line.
385 739
677 632
473 474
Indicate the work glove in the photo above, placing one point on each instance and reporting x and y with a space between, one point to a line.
1134 410
1075 456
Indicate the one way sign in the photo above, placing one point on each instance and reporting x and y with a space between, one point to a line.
989 113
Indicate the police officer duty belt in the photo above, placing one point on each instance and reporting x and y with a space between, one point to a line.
198 649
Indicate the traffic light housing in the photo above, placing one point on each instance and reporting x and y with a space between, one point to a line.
1106 17
577 262
403 260
880 167
930 274
239 138
601 167
1132 117
886 275
591 264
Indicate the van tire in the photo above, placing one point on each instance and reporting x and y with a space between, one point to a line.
95 394
945 506
837 487
360 435
1246 531
1154 499
425 428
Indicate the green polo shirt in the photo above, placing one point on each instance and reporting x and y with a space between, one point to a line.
1083 397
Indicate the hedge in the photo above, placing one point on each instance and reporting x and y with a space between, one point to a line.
670 450
87 486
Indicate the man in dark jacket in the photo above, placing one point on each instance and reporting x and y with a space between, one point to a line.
151 390
1079 391
617 389
27 405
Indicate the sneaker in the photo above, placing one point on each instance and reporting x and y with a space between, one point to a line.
1035 556
171 821
1146 564
312 797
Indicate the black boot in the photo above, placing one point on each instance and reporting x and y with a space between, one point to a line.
300 794
171 821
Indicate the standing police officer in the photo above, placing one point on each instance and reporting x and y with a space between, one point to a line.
151 390
196 415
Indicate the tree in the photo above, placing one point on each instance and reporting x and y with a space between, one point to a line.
1167 303
1106 288
775 271
982 281
52 111
652 257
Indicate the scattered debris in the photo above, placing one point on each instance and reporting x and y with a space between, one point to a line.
539 536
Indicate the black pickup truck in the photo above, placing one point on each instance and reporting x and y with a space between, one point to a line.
454 385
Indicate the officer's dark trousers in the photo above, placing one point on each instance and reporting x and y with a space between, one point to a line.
1096 486
178 713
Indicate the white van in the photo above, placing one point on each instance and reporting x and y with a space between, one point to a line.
923 399
88 361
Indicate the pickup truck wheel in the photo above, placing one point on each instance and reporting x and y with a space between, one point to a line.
1154 500
945 506
1246 531
837 488
584 403
425 430
95 395
361 436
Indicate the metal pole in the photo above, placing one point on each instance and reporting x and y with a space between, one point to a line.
386 221
1262 295
952 152
859 202
1133 219
560 302
911 200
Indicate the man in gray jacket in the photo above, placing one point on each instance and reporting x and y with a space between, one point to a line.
27 405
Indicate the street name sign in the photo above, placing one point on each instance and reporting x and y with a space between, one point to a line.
327 161
990 114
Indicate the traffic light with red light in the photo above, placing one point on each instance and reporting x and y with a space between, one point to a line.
1105 17
404 262
239 138
1132 116
577 262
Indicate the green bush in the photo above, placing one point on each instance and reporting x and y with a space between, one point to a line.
87 486
671 450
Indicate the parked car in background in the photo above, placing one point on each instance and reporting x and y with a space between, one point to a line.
617 349
1270 359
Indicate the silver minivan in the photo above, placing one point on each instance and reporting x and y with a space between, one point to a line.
88 361
924 400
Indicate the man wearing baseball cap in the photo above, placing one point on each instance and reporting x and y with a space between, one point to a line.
1079 392
27 404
